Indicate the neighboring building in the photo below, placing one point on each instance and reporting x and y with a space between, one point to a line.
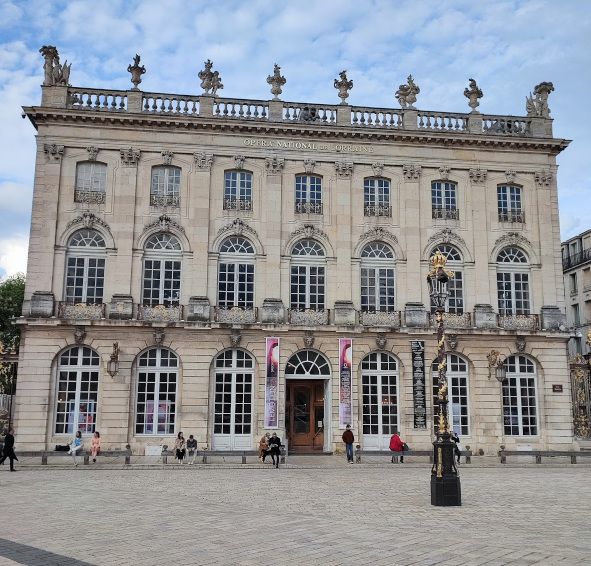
190 229
576 265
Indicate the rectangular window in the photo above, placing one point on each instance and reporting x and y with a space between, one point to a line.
161 282
236 285
91 177
377 197
166 186
573 283
307 287
237 190
85 278
513 293
509 204
233 404
371 424
443 200
576 315
377 289
156 402
519 406
308 197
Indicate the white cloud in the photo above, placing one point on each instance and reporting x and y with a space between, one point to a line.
13 255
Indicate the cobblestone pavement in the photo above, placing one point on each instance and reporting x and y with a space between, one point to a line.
325 515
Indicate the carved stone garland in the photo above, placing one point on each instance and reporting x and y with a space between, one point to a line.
164 223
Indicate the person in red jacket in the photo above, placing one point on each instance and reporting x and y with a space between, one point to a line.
397 447
348 439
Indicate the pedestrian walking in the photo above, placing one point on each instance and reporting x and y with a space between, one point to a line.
348 439
397 447
8 451
275 448
180 447
457 449
95 445
76 446
264 446
192 448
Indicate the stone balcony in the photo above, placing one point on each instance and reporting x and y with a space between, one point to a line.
519 322
386 319
308 317
236 315
160 313
81 311
210 107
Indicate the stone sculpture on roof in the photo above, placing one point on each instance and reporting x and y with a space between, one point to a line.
407 93
536 104
55 74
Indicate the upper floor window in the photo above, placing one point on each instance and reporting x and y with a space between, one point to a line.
91 182
166 186
85 267
236 273
513 282
237 190
376 200
377 278
307 276
510 204
455 286
161 284
308 196
444 200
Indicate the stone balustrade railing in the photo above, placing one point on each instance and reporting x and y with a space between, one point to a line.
80 311
236 315
391 319
207 106
519 322
308 317
160 313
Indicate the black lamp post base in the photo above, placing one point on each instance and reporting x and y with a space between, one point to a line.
446 491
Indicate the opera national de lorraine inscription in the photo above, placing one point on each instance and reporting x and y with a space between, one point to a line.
310 146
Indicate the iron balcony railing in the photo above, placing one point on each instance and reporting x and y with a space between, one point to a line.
515 216
576 259
445 213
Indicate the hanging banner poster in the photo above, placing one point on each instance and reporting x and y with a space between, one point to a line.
417 348
272 384
345 394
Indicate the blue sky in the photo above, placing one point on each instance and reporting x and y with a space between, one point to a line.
508 46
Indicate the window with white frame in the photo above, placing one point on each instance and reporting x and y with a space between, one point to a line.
307 363
377 278
236 273
457 387
85 268
161 284
513 282
308 265
91 182
156 392
166 186
520 416
509 198
237 190
376 200
455 286
77 391
380 404
443 200
308 195
233 400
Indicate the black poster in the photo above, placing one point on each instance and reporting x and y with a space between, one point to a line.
418 383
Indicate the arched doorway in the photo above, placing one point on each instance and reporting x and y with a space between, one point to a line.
307 402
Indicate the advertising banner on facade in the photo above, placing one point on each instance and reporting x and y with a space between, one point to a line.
272 384
345 394
417 348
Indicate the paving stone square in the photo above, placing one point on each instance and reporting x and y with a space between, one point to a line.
326 515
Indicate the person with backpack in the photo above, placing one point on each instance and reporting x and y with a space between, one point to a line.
397 447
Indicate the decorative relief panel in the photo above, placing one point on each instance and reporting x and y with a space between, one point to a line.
309 165
510 174
378 168
238 227
343 169
543 178
274 165
88 220
164 223
239 161
167 157
411 171
444 172
92 152
129 157
446 236
512 239
478 175
203 160
53 151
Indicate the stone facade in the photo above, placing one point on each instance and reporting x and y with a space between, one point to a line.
275 142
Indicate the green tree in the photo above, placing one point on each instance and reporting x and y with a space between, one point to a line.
12 293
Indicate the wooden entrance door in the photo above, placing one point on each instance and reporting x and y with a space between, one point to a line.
304 415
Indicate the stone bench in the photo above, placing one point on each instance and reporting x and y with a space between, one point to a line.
360 452
539 454
206 454
45 454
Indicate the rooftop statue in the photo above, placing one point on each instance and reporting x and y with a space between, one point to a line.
537 104
343 86
407 94
210 80
136 72
473 94
55 74
276 80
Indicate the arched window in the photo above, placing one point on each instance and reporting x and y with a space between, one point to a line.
307 363
237 190
162 270
376 200
457 388
377 278
166 186
520 416
513 282
308 195
455 287
443 200
307 276
85 268
236 273
91 182
510 203
233 400
156 395
77 391
379 383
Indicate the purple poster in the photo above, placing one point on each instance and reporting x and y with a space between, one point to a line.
345 395
272 384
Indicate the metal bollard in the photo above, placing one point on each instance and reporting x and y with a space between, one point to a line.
44 459
86 459
128 455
